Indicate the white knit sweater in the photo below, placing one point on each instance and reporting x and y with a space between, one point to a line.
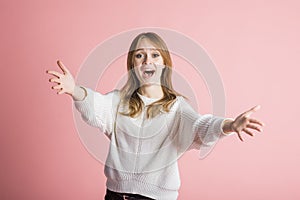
143 152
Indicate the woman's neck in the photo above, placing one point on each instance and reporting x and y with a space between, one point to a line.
151 91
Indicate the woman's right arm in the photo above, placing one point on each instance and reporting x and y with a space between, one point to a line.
95 108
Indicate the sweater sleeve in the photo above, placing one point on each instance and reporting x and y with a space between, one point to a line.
198 131
96 109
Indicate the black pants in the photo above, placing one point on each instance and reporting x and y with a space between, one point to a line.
111 195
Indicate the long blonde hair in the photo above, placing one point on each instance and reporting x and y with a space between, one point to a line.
129 91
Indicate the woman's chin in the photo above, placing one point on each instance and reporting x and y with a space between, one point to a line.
150 82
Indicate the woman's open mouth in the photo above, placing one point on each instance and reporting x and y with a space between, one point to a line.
148 73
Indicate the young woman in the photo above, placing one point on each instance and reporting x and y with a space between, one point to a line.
148 123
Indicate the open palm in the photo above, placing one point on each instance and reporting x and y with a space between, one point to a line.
65 82
245 123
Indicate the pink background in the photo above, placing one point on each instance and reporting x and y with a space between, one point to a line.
254 44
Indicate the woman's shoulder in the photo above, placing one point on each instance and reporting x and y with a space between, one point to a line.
184 104
110 94
113 94
176 104
181 99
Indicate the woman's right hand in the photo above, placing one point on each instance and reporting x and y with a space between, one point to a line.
66 83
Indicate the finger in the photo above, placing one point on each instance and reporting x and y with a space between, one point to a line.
54 80
58 75
60 92
254 127
252 110
62 67
248 132
239 134
256 121
56 87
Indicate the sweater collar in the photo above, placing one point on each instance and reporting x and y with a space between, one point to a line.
147 100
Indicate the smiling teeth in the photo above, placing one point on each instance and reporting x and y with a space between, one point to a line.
149 70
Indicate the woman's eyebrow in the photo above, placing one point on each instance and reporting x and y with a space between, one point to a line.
153 49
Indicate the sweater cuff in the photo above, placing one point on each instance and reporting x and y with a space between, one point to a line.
85 94
87 101
222 124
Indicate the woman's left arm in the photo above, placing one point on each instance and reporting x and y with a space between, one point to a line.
243 122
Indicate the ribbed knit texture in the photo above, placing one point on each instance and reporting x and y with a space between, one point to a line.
143 152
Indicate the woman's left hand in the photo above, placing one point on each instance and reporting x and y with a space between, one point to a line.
244 123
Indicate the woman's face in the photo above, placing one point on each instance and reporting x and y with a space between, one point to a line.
148 63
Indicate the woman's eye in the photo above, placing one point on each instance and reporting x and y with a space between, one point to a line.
155 55
138 55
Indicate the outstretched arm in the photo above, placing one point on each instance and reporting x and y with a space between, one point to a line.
96 109
243 122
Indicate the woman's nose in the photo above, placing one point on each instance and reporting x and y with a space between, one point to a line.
147 60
